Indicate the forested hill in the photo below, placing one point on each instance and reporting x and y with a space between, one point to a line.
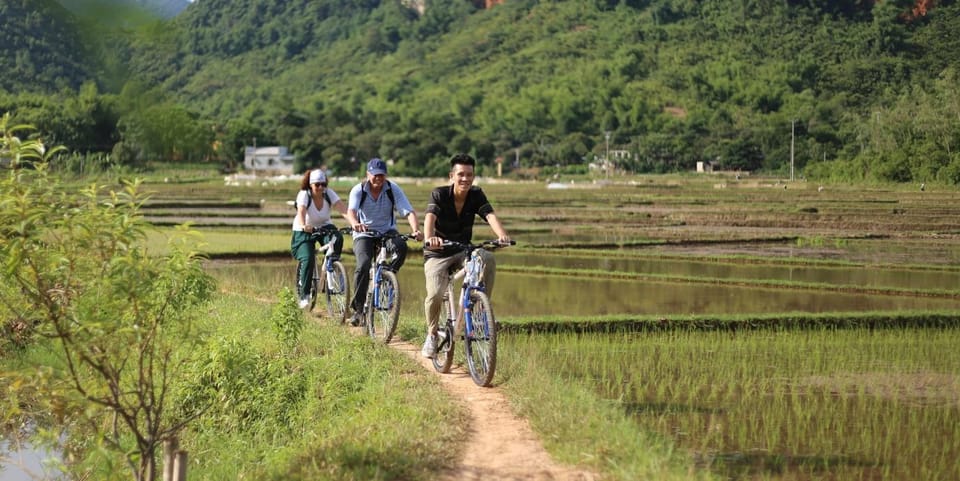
40 47
868 89
49 45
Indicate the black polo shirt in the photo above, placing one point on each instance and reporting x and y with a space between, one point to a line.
451 226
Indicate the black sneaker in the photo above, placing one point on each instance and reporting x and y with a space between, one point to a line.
356 319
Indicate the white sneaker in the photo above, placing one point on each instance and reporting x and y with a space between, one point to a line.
304 302
429 350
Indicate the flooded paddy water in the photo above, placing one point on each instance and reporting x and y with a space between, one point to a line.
582 289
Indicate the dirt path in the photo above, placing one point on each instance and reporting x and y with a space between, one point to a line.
506 448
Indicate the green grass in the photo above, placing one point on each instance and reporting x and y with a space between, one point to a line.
358 410
336 406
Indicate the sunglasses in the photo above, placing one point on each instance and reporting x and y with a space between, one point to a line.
321 184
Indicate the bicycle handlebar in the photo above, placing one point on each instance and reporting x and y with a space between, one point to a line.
488 244
329 228
386 235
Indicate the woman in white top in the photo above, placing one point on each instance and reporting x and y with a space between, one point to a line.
315 204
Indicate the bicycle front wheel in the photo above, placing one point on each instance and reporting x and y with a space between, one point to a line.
315 285
445 342
480 342
338 291
385 309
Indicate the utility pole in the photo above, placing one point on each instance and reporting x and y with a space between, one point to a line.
793 125
253 155
606 158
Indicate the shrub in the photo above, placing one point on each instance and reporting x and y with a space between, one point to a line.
73 265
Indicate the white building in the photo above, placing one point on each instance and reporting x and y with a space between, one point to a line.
273 160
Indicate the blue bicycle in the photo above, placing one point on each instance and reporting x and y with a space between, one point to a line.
381 309
471 319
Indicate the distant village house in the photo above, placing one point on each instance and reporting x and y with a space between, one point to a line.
274 160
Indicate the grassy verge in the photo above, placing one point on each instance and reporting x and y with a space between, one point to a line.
281 396
336 407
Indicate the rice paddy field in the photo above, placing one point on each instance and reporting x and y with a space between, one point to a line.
768 330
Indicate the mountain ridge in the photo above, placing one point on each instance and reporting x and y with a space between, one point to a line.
673 82
164 9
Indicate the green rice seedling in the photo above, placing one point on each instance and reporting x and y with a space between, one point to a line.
794 404
601 434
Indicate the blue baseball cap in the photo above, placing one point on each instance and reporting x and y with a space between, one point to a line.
377 167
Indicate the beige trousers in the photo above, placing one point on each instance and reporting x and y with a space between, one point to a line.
436 270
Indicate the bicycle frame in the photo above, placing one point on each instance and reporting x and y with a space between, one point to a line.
382 303
322 258
479 334
472 275
329 276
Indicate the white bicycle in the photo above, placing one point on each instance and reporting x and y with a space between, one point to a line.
330 278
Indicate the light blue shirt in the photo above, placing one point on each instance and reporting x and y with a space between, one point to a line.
377 214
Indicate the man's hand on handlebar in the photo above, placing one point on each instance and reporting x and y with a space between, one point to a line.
433 243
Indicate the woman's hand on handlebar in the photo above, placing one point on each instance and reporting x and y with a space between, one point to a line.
359 227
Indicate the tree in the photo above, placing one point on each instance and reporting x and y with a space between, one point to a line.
73 268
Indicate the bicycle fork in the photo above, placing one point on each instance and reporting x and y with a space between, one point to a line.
373 295
372 302
328 276
469 328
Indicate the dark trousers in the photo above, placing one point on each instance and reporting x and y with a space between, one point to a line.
364 250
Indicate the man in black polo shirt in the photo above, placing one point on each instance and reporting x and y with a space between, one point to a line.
450 215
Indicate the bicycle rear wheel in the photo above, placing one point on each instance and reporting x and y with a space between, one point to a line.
481 343
338 291
445 336
385 309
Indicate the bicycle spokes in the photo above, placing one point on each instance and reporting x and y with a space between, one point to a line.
337 291
481 339
385 308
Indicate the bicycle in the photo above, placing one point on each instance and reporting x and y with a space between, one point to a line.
330 279
479 326
381 309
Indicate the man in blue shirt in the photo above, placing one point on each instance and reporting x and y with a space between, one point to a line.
370 208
